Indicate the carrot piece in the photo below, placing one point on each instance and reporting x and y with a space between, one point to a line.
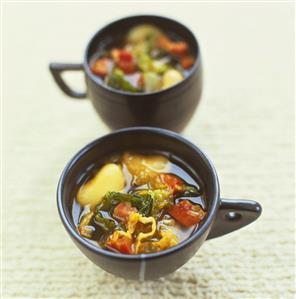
179 48
186 62
100 67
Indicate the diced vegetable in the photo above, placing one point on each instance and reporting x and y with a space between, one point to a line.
187 62
144 167
128 67
187 213
101 67
160 66
136 218
110 177
124 60
125 56
167 240
145 62
141 48
123 210
172 181
178 186
121 242
117 80
115 54
164 42
142 202
162 199
107 225
179 48
171 77
152 82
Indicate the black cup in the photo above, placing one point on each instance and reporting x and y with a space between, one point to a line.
171 108
223 215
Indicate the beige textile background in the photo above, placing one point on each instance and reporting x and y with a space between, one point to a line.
244 123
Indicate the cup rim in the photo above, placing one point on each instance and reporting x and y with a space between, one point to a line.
136 257
195 67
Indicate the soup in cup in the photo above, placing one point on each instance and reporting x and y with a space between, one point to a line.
140 202
140 71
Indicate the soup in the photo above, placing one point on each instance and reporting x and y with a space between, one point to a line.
144 59
139 203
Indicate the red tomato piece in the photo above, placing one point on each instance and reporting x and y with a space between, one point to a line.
186 62
127 67
172 181
187 213
123 210
122 244
125 56
101 66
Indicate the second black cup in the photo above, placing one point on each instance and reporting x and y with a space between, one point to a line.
170 108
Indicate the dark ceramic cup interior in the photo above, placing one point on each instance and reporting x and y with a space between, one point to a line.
223 216
171 108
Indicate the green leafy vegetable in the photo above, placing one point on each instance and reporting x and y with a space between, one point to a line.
142 203
84 228
107 225
190 191
161 199
116 80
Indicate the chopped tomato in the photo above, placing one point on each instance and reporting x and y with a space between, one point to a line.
172 181
179 48
123 210
125 55
187 213
127 67
122 244
187 62
124 60
100 67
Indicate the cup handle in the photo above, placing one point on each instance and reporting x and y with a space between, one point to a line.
56 70
233 215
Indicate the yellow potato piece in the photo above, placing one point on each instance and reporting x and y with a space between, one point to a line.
144 168
170 78
109 178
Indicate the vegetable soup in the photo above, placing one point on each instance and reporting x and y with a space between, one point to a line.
139 203
144 59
